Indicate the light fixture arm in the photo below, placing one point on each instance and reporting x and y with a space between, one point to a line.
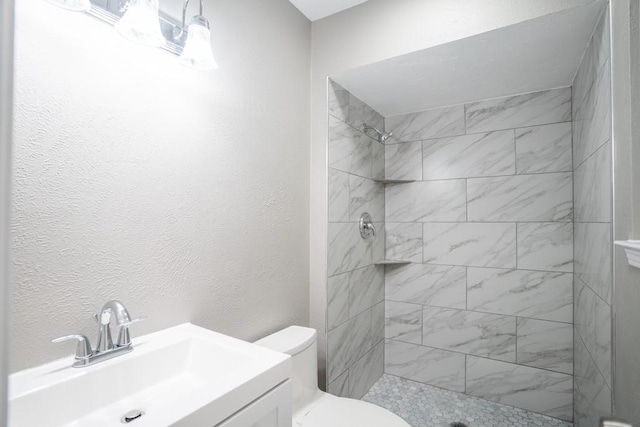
184 17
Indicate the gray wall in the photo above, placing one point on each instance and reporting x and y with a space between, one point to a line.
355 288
485 308
593 279
184 194
6 98
626 131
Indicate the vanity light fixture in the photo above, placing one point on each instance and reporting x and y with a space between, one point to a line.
75 5
142 22
197 51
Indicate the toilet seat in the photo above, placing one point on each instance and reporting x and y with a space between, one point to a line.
331 411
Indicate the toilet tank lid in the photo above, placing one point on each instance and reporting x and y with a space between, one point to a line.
291 340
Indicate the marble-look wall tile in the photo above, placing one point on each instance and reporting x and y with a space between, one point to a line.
347 250
338 300
592 258
537 108
427 365
338 101
349 149
603 355
467 332
347 343
595 394
544 344
377 323
584 302
426 201
366 371
580 409
543 149
366 288
338 196
439 122
403 322
377 242
366 195
404 241
435 285
483 154
340 386
594 59
537 390
536 294
593 325
377 160
403 161
592 119
477 244
592 187
360 113
543 197
546 246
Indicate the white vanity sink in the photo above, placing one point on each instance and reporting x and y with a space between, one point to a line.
183 376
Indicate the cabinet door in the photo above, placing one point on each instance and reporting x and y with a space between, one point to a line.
273 409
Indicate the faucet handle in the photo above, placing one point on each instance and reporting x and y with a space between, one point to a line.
124 339
83 350
134 320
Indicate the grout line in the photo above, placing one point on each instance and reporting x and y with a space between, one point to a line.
465 373
464 112
600 147
517 337
466 200
466 288
480 312
546 221
515 153
516 243
484 357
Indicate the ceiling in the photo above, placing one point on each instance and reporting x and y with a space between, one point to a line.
542 53
318 9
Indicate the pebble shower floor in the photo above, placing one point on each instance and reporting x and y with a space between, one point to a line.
422 405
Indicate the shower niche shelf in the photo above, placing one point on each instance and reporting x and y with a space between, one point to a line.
392 262
394 181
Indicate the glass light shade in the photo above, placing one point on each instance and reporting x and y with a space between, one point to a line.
141 23
75 5
197 51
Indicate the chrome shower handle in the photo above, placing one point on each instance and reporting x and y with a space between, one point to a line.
367 229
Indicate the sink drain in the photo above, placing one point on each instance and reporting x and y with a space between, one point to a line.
457 425
131 416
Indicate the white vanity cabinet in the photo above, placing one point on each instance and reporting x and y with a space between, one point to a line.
273 409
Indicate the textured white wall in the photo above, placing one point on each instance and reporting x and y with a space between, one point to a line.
182 193
374 31
6 89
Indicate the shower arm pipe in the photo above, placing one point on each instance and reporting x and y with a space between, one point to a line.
382 136
366 128
184 16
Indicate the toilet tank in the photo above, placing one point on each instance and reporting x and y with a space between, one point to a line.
299 343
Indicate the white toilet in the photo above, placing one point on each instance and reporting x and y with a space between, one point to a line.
311 406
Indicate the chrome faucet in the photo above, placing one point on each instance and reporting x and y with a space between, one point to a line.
105 348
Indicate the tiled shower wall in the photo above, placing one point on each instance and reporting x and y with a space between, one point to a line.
593 250
485 308
355 288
